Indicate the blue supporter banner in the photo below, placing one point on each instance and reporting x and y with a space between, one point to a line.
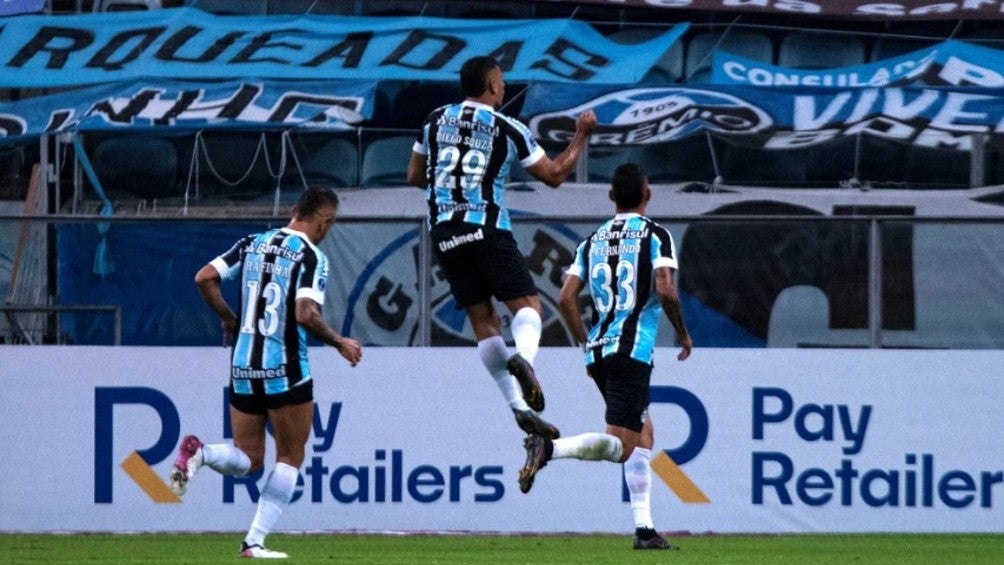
45 51
768 118
187 105
950 63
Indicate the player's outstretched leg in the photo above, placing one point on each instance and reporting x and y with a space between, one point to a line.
538 452
186 465
527 379
531 423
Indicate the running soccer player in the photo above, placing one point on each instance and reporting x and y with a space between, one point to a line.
462 158
282 274
628 264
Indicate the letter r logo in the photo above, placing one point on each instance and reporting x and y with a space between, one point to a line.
137 464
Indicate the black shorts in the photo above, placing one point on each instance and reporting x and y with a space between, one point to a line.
480 262
623 382
260 403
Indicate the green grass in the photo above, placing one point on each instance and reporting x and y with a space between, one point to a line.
510 550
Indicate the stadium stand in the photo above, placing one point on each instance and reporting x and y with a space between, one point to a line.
749 44
126 5
124 165
817 50
383 159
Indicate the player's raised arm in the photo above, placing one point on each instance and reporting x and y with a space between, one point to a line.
553 172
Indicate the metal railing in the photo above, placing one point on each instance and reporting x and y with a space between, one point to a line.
11 310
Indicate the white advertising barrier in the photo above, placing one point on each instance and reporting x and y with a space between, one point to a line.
777 440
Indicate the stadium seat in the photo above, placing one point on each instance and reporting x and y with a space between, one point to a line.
335 163
232 155
764 167
140 165
925 167
700 50
670 64
232 7
817 50
413 103
126 5
685 160
602 161
880 161
385 161
319 7
888 47
488 10
399 8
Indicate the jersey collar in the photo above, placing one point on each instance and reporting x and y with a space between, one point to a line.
626 215
480 105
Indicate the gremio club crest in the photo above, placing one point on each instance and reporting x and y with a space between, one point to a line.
383 303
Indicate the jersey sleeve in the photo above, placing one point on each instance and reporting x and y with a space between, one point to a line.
663 250
420 145
313 276
579 265
528 151
228 264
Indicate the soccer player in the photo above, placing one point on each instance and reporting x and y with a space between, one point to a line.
628 265
461 158
282 274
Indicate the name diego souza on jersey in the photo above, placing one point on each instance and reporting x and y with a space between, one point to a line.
468 140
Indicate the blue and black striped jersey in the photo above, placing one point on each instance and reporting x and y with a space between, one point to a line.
617 263
276 267
469 149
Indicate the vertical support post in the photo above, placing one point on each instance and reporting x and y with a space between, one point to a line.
424 285
977 160
874 284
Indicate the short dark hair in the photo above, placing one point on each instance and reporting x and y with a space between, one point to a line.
628 185
474 75
313 199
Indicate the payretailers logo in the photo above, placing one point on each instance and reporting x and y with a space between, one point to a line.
138 465
666 464
390 478
919 482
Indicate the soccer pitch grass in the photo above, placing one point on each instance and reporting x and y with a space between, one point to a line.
508 549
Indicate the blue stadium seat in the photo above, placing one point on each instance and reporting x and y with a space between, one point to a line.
141 165
413 103
231 7
817 50
488 10
888 47
669 67
385 161
700 49
335 163
126 5
685 160
602 161
925 167
764 167
399 8
337 7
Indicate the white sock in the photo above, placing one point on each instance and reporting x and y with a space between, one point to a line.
275 495
225 459
526 326
638 476
494 355
588 447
